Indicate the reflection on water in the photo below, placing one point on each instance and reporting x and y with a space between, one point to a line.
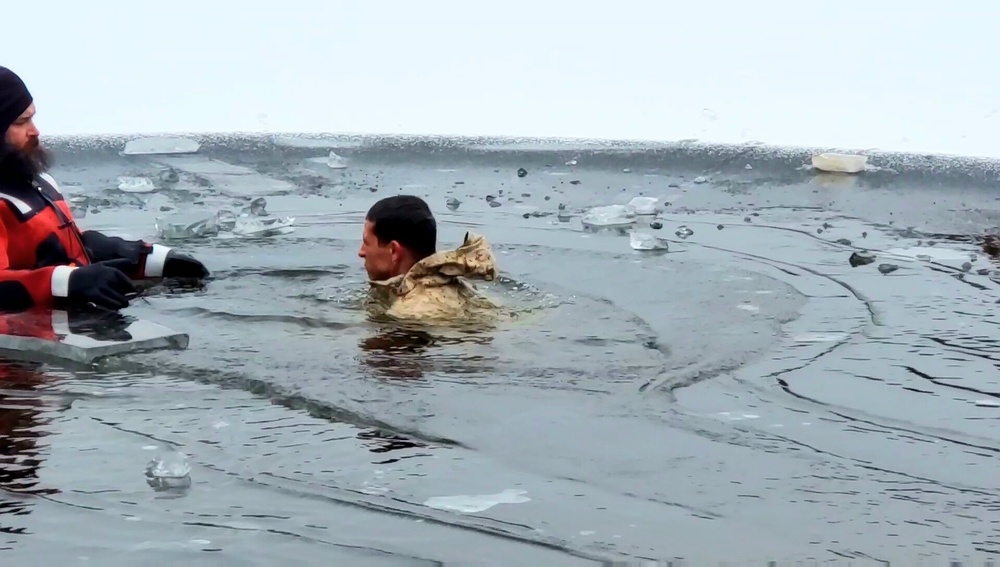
22 430
396 353
400 351
399 340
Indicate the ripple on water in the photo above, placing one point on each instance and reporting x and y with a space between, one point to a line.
878 396
565 335
574 365
87 459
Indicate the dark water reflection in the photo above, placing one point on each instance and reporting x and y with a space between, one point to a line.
397 353
25 416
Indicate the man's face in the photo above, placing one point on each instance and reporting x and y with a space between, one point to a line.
22 134
380 259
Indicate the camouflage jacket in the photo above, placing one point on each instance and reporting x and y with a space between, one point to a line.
437 289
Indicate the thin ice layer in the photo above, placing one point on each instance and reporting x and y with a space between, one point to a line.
45 335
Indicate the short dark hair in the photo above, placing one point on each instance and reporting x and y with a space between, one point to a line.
406 219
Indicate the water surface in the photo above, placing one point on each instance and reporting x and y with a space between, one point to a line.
747 395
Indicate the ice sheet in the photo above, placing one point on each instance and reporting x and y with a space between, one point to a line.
45 335
160 145
226 177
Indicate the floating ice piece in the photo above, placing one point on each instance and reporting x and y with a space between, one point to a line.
470 504
135 184
683 231
256 208
181 229
646 241
250 226
226 220
611 215
160 145
170 470
81 337
643 205
988 403
840 163
333 161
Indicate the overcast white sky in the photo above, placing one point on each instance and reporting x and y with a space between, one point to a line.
914 75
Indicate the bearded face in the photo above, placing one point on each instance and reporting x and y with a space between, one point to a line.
22 151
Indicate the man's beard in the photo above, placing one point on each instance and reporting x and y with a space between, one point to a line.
38 156
24 163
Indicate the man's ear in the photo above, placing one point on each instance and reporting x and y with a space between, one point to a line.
396 251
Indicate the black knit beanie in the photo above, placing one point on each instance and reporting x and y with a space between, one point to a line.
14 98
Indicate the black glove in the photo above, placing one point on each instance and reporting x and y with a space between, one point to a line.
99 324
177 265
104 284
101 247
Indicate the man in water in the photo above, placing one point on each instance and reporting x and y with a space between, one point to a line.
45 260
409 279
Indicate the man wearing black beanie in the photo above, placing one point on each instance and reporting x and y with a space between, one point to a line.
45 260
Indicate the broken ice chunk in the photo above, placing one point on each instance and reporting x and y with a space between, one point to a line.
886 269
256 208
646 241
181 229
129 184
840 163
225 219
861 259
643 205
611 215
170 470
248 226
333 161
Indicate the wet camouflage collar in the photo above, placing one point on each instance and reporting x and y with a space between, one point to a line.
473 259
